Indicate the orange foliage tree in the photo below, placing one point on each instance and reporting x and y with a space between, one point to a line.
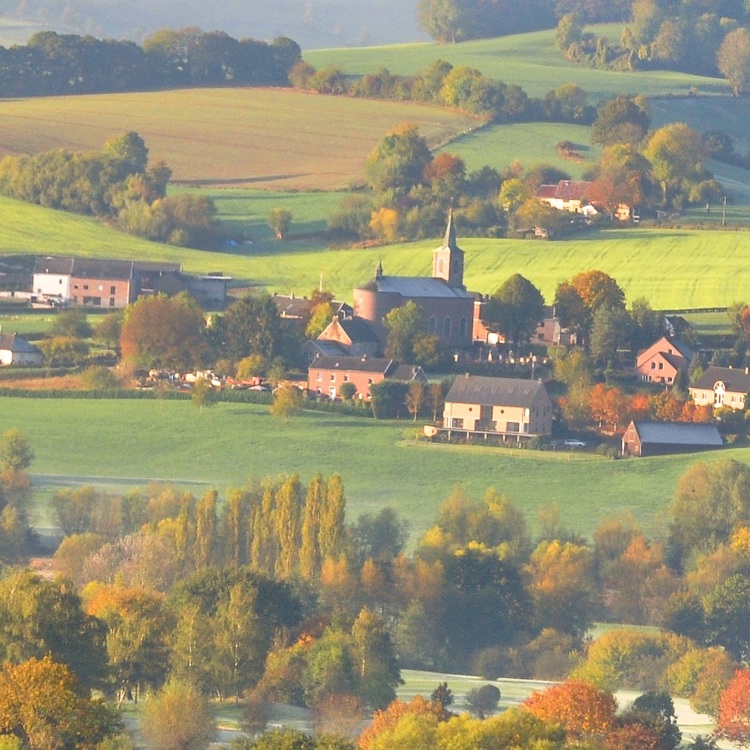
734 710
582 709
388 718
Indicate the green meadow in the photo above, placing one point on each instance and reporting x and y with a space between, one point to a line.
528 60
119 444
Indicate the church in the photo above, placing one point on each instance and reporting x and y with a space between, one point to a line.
449 308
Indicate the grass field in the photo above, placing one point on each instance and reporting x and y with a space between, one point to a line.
529 60
123 444
683 271
247 137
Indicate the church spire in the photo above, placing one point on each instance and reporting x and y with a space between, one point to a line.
379 270
448 259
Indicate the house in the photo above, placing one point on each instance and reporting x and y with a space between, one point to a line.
659 438
567 195
507 407
114 284
448 307
721 386
326 375
549 332
661 362
355 336
17 351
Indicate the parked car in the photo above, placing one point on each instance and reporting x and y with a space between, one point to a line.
573 443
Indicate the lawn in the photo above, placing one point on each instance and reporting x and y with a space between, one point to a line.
122 444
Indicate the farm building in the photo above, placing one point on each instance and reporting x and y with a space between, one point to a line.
17 351
326 374
501 407
659 438
721 386
443 297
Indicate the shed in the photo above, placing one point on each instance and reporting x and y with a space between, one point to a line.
660 438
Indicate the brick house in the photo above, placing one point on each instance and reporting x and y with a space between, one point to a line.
326 375
507 407
567 195
661 362
353 334
721 386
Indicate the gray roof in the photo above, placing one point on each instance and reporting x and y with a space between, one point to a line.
100 268
678 433
358 330
417 286
407 373
49 264
356 364
325 348
476 389
12 343
736 380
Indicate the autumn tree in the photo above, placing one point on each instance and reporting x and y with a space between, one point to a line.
46 708
733 59
734 710
178 718
584 711
623 119
287 402
515 310
623 178
280 219
16 455
164 332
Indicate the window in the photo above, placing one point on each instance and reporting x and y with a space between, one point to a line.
319 377
100 287
112 290
512 427
653 365
661 365
447 327
111 301
462 328
85 286
369 381
333 377
59 281
457 422
432 325
346 378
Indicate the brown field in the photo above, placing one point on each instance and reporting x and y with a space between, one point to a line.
264 138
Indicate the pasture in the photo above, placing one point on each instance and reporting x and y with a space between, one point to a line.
529 60
120 444
241 137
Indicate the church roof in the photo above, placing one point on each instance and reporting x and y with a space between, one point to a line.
419 286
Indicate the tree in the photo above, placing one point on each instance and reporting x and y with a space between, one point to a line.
582 709
623 119
405 325
727 616
287 402
280 219
178 717
515 310
45 707
252 325
164 332
483 700
379 673
734 710
16 453
398 163
654 710
72 322
202 394
610 330
675 152
733 59
415 396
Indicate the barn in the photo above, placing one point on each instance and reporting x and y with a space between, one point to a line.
660 438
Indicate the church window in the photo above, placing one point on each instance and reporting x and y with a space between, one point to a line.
462 327
447 327
433 324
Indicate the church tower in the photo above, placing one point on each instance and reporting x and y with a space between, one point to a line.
448 259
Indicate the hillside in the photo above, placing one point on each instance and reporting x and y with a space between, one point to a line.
229 136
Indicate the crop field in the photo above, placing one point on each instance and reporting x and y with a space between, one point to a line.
279 138
122 444
529 60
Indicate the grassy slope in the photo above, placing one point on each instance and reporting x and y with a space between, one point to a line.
529 60
682 265
237 136
223 446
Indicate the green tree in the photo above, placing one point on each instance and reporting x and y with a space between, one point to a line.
288 525
287 402
675 152
443 20
310 559
398 163
483 700
405 326
379 674
178 717
16 454
280 219
727 618
623 119
252 325
331 534
73 322
610 331
515 310
202 394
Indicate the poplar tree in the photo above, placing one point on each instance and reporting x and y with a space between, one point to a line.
310 549
205 548
235 529
331 532
288 516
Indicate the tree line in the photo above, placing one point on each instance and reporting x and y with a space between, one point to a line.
55 64
116 184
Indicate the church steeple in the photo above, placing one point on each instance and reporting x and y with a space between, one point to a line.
448 259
